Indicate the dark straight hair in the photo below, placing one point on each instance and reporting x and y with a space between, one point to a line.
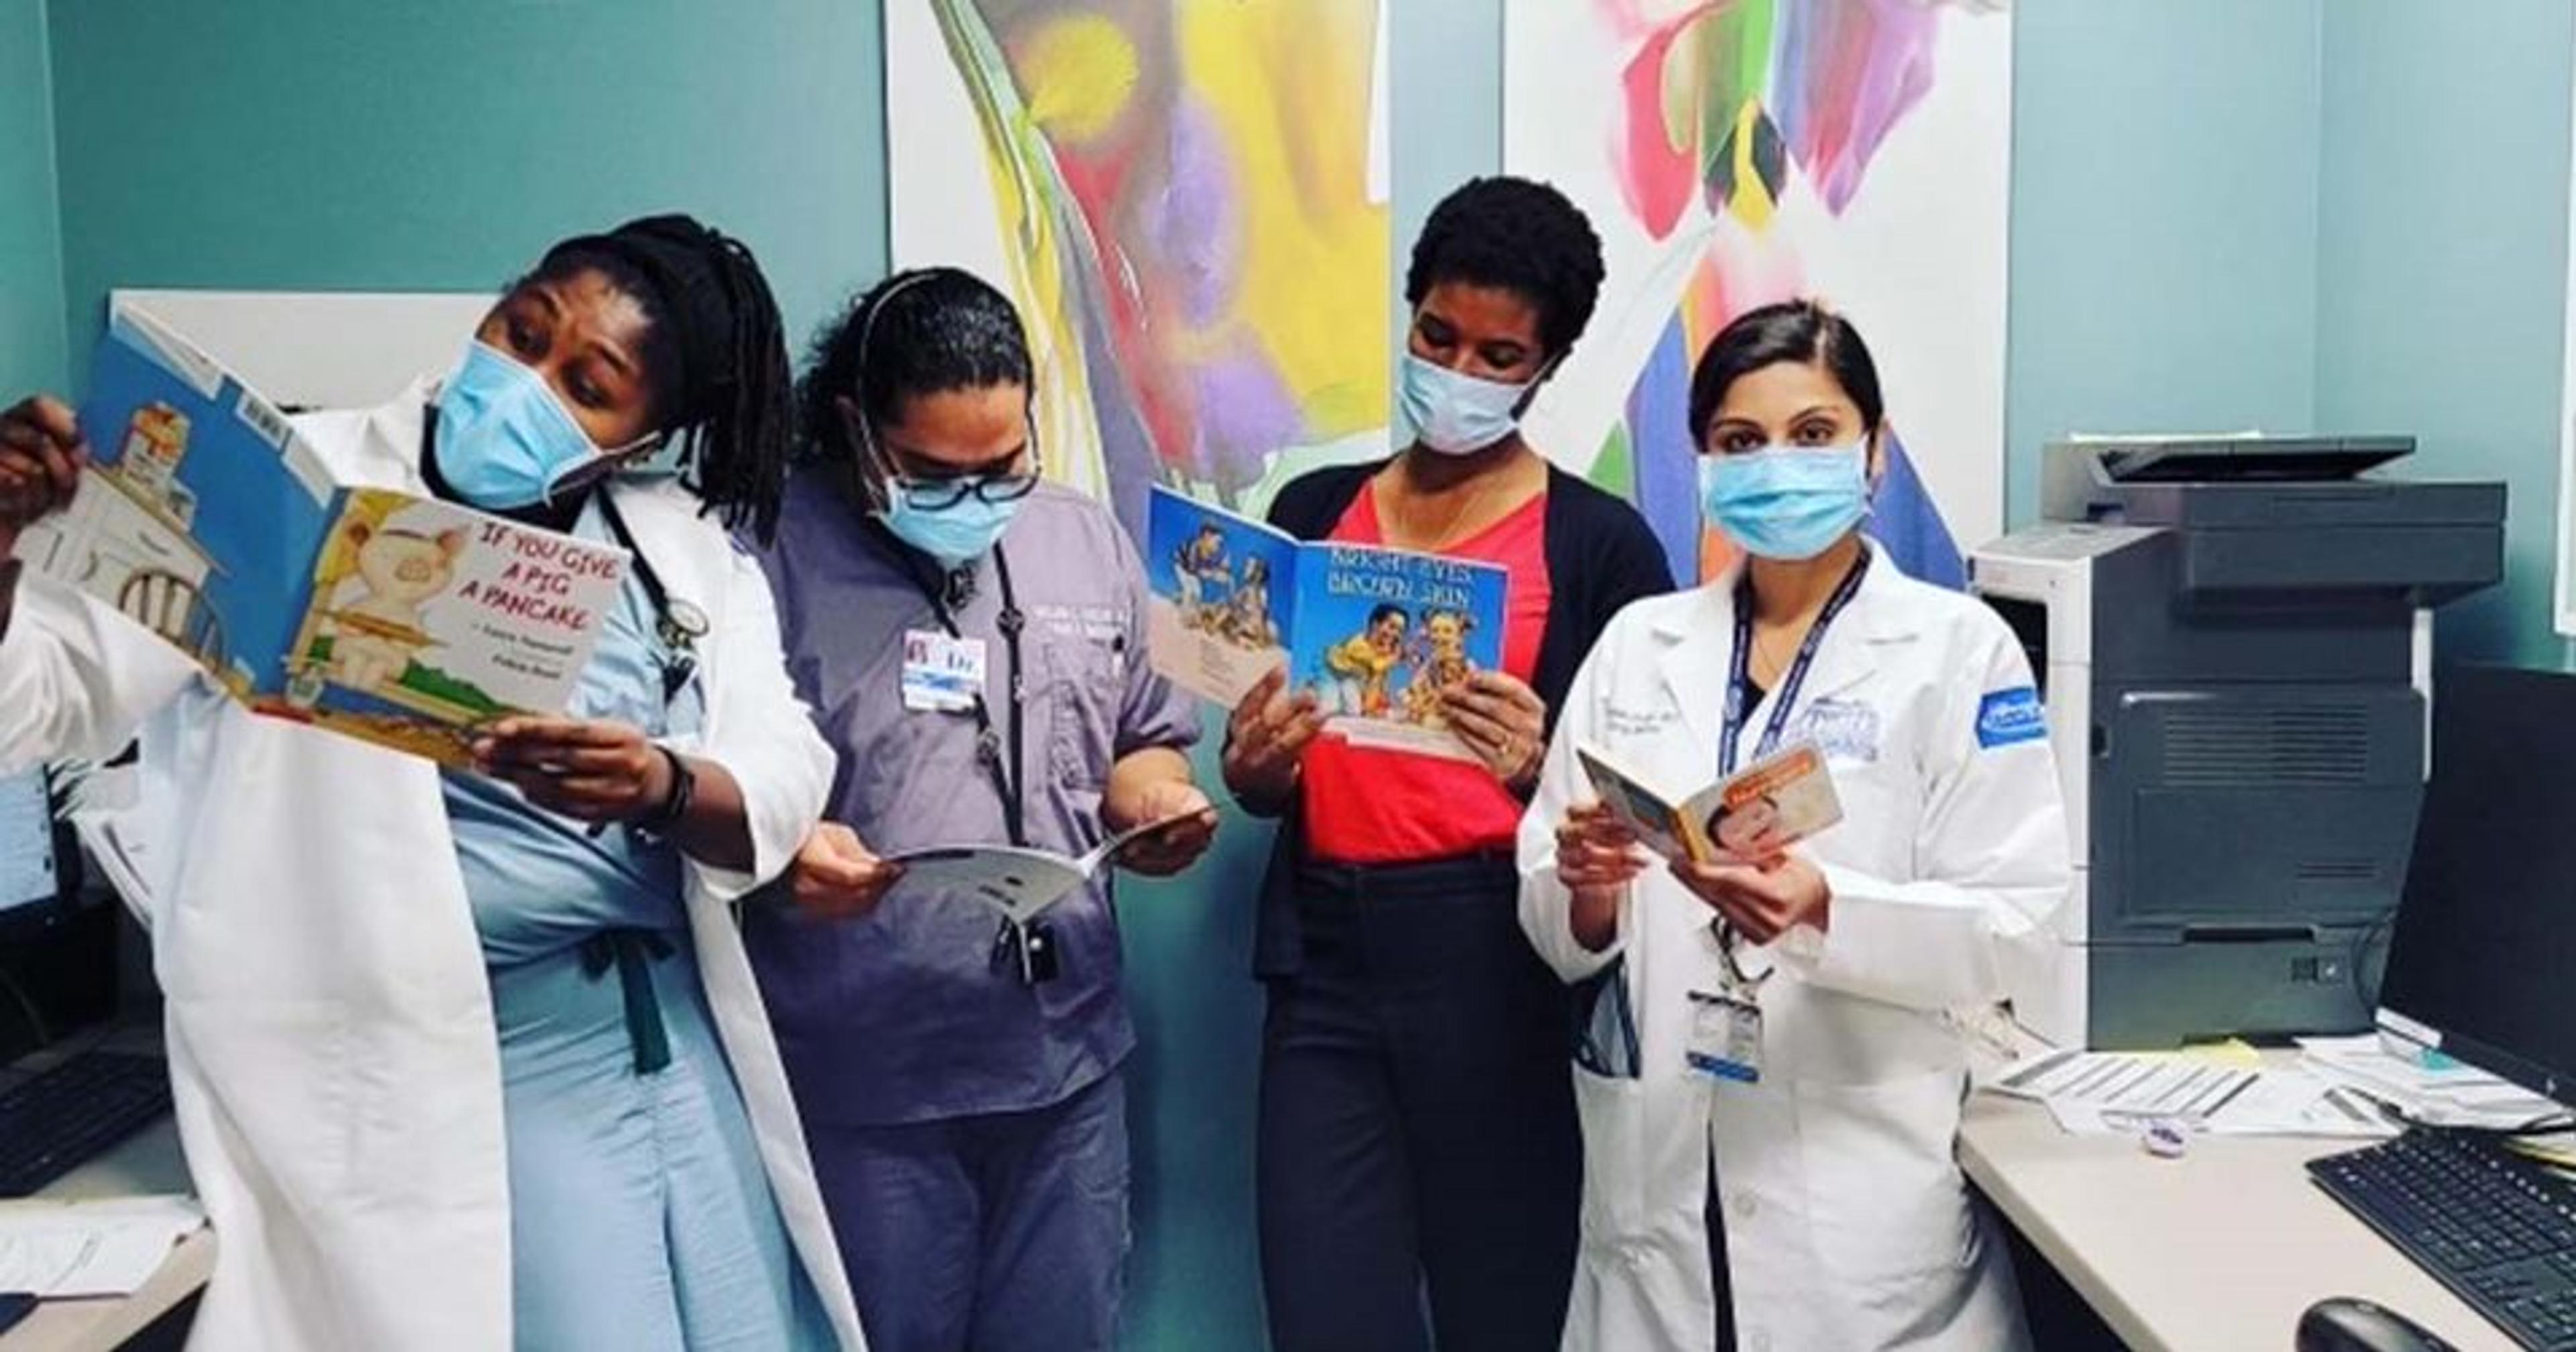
1800 332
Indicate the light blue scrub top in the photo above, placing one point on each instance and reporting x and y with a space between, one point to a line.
540 883
640 1214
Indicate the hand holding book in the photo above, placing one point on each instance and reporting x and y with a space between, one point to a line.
1179 824
587 770
1503 721
837 877
1763 899
41 455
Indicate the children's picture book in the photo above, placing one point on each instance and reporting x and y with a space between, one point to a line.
1375 634
1019 883
1753 814
397 618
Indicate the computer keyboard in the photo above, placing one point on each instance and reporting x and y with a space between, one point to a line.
2490 1225
58 1119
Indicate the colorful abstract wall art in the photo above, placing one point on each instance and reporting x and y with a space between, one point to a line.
1737 152
1187 199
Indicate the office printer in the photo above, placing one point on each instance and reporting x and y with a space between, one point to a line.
2233 638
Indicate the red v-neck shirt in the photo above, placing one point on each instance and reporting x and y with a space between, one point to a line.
1376 805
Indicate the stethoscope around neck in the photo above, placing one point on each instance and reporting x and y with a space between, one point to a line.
678 623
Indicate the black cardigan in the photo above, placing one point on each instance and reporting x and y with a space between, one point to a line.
1600 557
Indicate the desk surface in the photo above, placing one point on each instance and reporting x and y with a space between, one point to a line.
2220 1250
146 1163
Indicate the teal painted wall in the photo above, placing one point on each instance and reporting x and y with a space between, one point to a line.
31 250
2442 264
375 144
2164 221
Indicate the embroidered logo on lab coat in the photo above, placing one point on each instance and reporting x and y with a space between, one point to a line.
2007 717
1844 729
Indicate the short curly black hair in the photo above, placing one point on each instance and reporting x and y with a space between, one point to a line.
1520 236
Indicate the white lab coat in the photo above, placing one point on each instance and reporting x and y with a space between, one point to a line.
330 1030
1848 1223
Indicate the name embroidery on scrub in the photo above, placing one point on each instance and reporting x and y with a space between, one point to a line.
2010 717
1103 627
1844 729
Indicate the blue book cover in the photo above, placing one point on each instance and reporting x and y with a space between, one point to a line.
400 619
1374 633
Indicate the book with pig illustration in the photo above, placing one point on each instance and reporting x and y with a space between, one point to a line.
1375 634
385 615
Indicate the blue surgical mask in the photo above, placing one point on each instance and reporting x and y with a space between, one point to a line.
1455 414
1786 502
504 440
955 535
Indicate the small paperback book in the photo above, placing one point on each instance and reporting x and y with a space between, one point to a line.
1017 882
1376 634
1758 812
389 616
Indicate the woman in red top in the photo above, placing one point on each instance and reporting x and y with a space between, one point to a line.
1417 1118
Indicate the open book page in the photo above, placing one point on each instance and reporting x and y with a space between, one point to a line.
1221 585
1382 632
1769 806
1018 882
200 511
400 619
428 620
1374 634
1753 814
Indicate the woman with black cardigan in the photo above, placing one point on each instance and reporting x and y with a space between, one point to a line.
1417 1117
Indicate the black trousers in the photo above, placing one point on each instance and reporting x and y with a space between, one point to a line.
1417 1124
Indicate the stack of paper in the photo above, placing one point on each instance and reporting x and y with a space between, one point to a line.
2428 1088
2223 1093
102 1248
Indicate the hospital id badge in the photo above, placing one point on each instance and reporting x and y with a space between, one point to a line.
941 674
1726 1037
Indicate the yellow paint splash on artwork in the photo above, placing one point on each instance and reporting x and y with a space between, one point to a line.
1026 198
1751 201
1287 81
1080 70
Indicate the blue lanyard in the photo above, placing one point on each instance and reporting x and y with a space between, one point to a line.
1786 697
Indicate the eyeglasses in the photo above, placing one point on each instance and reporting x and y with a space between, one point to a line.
938 495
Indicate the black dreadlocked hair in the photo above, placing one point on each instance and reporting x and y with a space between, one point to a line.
715 351
1520 236
926 331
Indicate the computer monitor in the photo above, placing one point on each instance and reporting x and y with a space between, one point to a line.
2482 961
31 872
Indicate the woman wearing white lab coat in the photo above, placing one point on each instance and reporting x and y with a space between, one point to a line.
330 1020
1846 1222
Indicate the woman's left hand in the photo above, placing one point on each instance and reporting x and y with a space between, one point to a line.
592 771
1503 721
1764 900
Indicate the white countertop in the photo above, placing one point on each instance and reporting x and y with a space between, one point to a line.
2219 1250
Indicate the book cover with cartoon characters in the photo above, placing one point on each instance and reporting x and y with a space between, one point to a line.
396 618
1375 634
1222 588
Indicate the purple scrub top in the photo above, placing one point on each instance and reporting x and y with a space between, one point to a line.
903 1016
